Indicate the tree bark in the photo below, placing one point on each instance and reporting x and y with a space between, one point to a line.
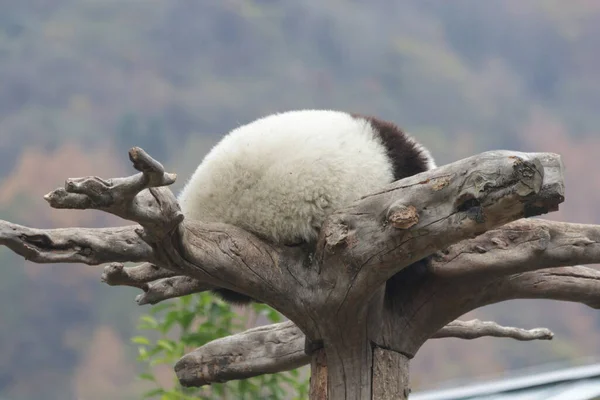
318 376
390 375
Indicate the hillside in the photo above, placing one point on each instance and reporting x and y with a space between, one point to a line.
82 81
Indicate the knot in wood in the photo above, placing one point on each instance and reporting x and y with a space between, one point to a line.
335 234
530 175
440 182
401 216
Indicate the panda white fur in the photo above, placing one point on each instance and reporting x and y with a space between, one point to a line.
282 175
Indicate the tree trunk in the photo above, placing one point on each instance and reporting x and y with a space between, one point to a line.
383 376
390 375
318 376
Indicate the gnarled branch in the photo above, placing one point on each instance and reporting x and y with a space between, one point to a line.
257 351
443 298
486 191
90 246
139 276
138 198
169 288
280 347
490 189
475 328
576 284
521 246
157 282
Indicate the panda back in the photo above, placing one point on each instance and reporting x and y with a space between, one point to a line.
282 175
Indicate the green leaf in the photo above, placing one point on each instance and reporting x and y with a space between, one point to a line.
153 393
186 320
274 316
170 319
142 352
217 320
159 361
140 340
147 377
166 344
148 322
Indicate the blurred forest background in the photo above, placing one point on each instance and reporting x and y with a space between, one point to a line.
81 81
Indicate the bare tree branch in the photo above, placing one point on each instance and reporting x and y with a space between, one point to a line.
521 246
226 256
169 288
576 284
518 246
475 328
263 350
428 307
75 245
155 209
521 260
497 266
157 283
488 190
280 347
97 193
116 274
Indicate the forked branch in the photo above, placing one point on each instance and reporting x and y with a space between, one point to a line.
523 260
155 209
158 283
433 210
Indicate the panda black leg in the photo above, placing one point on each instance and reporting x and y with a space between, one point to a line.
311 346
233 297
411 275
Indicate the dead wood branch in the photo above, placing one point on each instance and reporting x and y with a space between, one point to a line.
139 276
75 245
576 284
475 328
157 283
439 299
155 209
486 191
169 288
257 351
489 189
280 347
521 246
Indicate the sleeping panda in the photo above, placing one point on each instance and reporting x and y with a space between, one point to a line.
280 176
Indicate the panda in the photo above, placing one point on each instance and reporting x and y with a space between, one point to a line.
280 176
